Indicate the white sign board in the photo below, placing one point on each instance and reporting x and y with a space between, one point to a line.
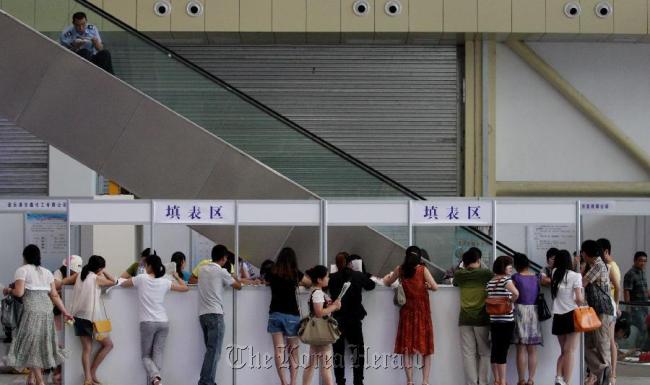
279 213
201 248
48 231
452 213
595 207
540 238
33 205
367 213
202 212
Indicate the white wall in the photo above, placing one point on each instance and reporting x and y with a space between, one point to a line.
11 239
540 137
69 178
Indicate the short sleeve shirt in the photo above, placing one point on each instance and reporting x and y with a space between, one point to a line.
35 277
635 282
70 35
151 295
565 301
212 280
472 295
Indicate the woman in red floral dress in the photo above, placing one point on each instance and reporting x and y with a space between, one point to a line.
415 330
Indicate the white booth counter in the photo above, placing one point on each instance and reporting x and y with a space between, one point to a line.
247 356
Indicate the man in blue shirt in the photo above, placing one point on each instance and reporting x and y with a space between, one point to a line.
83 39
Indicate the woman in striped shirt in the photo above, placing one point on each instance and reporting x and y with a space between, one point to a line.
502 326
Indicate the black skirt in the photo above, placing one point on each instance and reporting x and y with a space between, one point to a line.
563 324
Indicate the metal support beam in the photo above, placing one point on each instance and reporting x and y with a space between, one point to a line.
580 102
473 116
632 189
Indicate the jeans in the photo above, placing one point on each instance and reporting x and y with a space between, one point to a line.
152 343
213 328
475 346
352 332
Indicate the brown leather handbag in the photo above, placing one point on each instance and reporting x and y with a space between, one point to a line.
498 305
585 319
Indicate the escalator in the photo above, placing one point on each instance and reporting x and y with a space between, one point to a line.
137 131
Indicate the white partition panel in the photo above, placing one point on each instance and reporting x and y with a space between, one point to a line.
184 347
367 213
251 356
279 213
103 212
536 212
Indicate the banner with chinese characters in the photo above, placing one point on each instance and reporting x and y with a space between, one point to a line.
195 212
593 207
448 212
36 205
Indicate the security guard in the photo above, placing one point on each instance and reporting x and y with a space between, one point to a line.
83 39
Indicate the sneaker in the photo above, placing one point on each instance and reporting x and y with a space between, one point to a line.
559 380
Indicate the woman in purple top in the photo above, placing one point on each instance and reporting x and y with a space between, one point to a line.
528 333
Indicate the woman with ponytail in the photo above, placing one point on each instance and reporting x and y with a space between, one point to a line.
86 308
566 290
154 326
180 260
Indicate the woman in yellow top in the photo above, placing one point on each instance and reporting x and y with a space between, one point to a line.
615 279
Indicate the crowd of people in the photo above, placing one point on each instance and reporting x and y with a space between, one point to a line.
498 308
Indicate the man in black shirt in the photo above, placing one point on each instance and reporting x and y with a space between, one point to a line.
349 317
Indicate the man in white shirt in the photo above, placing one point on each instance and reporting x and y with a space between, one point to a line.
212 280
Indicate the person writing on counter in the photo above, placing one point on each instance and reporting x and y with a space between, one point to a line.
152 288
212 279
137 268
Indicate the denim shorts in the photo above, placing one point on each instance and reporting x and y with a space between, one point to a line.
287 324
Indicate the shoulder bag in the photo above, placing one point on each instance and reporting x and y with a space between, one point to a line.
543 312
498 305
102 326
585 319
318 331
399 298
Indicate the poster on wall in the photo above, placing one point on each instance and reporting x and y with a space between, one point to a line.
201 248
48 232
540 238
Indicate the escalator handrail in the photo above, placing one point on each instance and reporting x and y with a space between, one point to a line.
188 63
501 247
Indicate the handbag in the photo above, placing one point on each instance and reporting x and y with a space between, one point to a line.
585 319
318 331
543 312
12 310
498 305
399 298
103 326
